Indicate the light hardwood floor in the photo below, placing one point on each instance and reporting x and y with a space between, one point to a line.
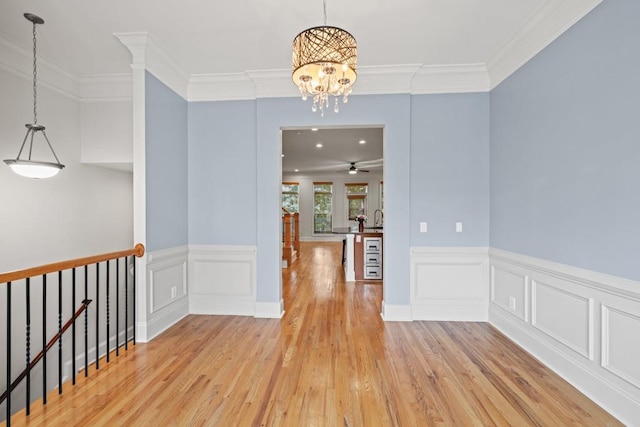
330 361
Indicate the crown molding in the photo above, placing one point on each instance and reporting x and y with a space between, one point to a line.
450 79
19 61
273 83
552 19
372 80
385 79
106 87
148 53
220 87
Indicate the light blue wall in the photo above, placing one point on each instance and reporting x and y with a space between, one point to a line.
565 147
166 166
436 169
450 169
222 173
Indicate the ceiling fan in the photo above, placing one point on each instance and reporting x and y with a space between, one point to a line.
353 169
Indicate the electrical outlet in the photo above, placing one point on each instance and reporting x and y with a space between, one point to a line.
174 292
423 227
512 303
458 227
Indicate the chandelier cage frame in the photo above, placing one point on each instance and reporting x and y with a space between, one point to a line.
324 64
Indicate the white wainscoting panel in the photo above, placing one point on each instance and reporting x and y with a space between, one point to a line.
449 284
222 280
510 290
584 325
167 301
621 342
564 316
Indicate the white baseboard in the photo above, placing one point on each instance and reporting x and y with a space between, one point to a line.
396 312
220 305
267 310
164 319
581 324
449 284
450 311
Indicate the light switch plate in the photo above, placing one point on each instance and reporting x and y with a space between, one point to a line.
423 227
458 227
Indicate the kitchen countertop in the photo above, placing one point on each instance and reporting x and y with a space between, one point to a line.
354 230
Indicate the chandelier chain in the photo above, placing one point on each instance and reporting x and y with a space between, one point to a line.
35 78
324 6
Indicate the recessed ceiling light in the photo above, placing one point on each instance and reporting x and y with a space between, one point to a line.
314 129
296 170
281 155
362 141
319 145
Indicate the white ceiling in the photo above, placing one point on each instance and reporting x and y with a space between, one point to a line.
210 37
340 147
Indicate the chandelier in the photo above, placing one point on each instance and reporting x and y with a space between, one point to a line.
28 167
324 64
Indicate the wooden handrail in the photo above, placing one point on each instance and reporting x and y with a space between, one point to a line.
12 276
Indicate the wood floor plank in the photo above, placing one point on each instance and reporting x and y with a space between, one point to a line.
330 361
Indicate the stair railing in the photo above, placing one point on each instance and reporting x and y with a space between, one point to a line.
113 287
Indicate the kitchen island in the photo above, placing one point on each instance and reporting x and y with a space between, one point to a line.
362 253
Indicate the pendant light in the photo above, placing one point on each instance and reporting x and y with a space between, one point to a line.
28 167
324 64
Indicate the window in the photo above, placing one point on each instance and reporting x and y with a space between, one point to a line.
290 196
356 199
322 206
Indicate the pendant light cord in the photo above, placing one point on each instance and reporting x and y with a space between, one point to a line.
35 79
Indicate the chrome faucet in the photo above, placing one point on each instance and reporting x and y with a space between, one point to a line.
377 222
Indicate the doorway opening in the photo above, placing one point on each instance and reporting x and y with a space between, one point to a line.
332 178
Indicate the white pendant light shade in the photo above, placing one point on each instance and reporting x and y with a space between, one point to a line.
33 169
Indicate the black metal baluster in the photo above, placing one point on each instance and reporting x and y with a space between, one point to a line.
8 407
86 322
28 343
59 332
73 327
126 303
97 316
117 307
108 301
133 259
44 339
